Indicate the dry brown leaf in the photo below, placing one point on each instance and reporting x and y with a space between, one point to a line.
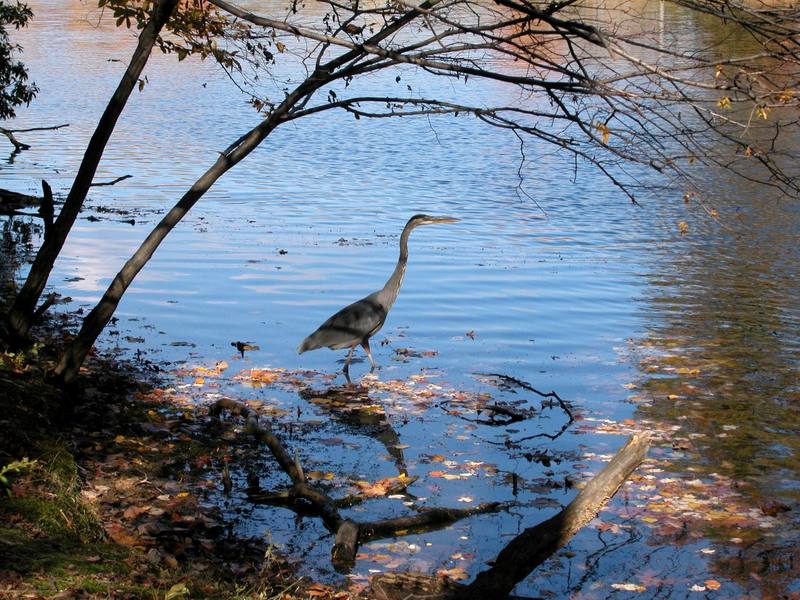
456 573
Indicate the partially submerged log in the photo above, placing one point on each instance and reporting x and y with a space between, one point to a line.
536 544
11 202
530 548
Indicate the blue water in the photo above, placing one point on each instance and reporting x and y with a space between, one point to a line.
557 278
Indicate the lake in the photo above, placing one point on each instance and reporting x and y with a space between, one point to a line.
555 279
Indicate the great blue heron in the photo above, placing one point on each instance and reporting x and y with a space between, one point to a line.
356 323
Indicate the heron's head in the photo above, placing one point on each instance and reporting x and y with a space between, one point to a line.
417 220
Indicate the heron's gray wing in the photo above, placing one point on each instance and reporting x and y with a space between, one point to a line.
349 326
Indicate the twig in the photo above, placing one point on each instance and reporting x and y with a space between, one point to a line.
427 518
9 133
529 387
48 302
112 182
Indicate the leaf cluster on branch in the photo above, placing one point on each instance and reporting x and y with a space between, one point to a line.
14 87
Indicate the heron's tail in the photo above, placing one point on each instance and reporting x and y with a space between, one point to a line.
308 344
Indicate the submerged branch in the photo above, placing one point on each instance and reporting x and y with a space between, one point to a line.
303 497
112 182
9 133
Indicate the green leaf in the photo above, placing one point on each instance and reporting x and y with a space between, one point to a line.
177 591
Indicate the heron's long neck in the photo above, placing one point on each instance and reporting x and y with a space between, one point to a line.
388 294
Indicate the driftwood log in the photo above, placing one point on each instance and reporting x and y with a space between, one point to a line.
349 533
529 549
11 202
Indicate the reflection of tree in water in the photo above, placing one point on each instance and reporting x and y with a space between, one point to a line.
353 408
16 249
719 366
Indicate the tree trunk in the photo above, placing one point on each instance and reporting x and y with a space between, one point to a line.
20 317
98 318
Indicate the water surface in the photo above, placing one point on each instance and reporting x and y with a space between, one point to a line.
567 286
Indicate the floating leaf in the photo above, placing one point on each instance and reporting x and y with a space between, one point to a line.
456 573
629 587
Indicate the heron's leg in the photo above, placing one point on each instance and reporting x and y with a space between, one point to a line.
365 345
346 368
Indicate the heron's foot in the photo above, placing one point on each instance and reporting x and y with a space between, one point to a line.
346 372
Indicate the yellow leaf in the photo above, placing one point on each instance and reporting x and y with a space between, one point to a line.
179 590
119 439
712 584
762 112
687 371
683 227
724 102
713 212
718 72
605 132
280 46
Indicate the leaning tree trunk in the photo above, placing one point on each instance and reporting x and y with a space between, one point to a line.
20 316
98 318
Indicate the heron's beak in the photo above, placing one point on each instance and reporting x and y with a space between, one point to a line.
443 220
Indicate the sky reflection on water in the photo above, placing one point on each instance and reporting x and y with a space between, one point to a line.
576 291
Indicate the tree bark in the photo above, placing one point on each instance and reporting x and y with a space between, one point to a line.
20 317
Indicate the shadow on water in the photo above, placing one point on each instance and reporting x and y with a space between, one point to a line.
352 406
